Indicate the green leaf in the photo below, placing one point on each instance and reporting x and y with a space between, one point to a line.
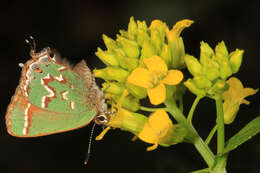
251 129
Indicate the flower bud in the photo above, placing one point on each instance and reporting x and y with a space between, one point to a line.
109 42
225 69
113 88
165 55
194 89
130 47
175 43
210 68
136 91
142 25
129 102
156 40
236 60
132 28
177 53
112 73
160 26
128 63
148 49
206 52
107 57
193 65
142 35
221 52
202 82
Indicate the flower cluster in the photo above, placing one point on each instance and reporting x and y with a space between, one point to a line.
212 70
144 61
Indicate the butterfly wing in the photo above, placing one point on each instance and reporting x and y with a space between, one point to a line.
50 98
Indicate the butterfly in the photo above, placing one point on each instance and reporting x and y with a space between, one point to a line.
53 97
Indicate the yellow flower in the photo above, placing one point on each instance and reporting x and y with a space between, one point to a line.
154 78
155 130
234 97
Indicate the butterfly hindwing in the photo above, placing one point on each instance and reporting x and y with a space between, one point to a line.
50 98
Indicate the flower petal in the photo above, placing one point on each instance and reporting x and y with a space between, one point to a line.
160 122
140 77
148 134
173 77
157 95
156 64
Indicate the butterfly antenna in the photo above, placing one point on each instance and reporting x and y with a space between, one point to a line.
89 145
32 44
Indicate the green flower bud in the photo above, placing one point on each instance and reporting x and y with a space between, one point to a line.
218 88
148 49
175 43
132 28
156 40
112 73
165 55
129 102
142 25
129 63
109 42
136 91
141 36
161 27
177 53
193 65
123 33
107 57
194 89
210 68
221 52
206 53
236 60
113 88
202 82
130 47
225 69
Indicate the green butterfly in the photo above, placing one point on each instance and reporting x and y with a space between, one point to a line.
53 97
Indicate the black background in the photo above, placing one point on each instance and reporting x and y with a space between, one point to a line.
75 28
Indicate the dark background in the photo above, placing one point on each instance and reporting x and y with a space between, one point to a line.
74 28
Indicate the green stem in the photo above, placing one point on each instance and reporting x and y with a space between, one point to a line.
194 105
220 164
220 125
206 170
199 144
211 134
149 109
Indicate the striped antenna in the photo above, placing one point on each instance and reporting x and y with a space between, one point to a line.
89 145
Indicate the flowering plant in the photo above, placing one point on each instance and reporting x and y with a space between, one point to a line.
147 62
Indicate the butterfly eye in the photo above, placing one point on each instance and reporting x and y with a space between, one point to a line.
101 119
44 60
